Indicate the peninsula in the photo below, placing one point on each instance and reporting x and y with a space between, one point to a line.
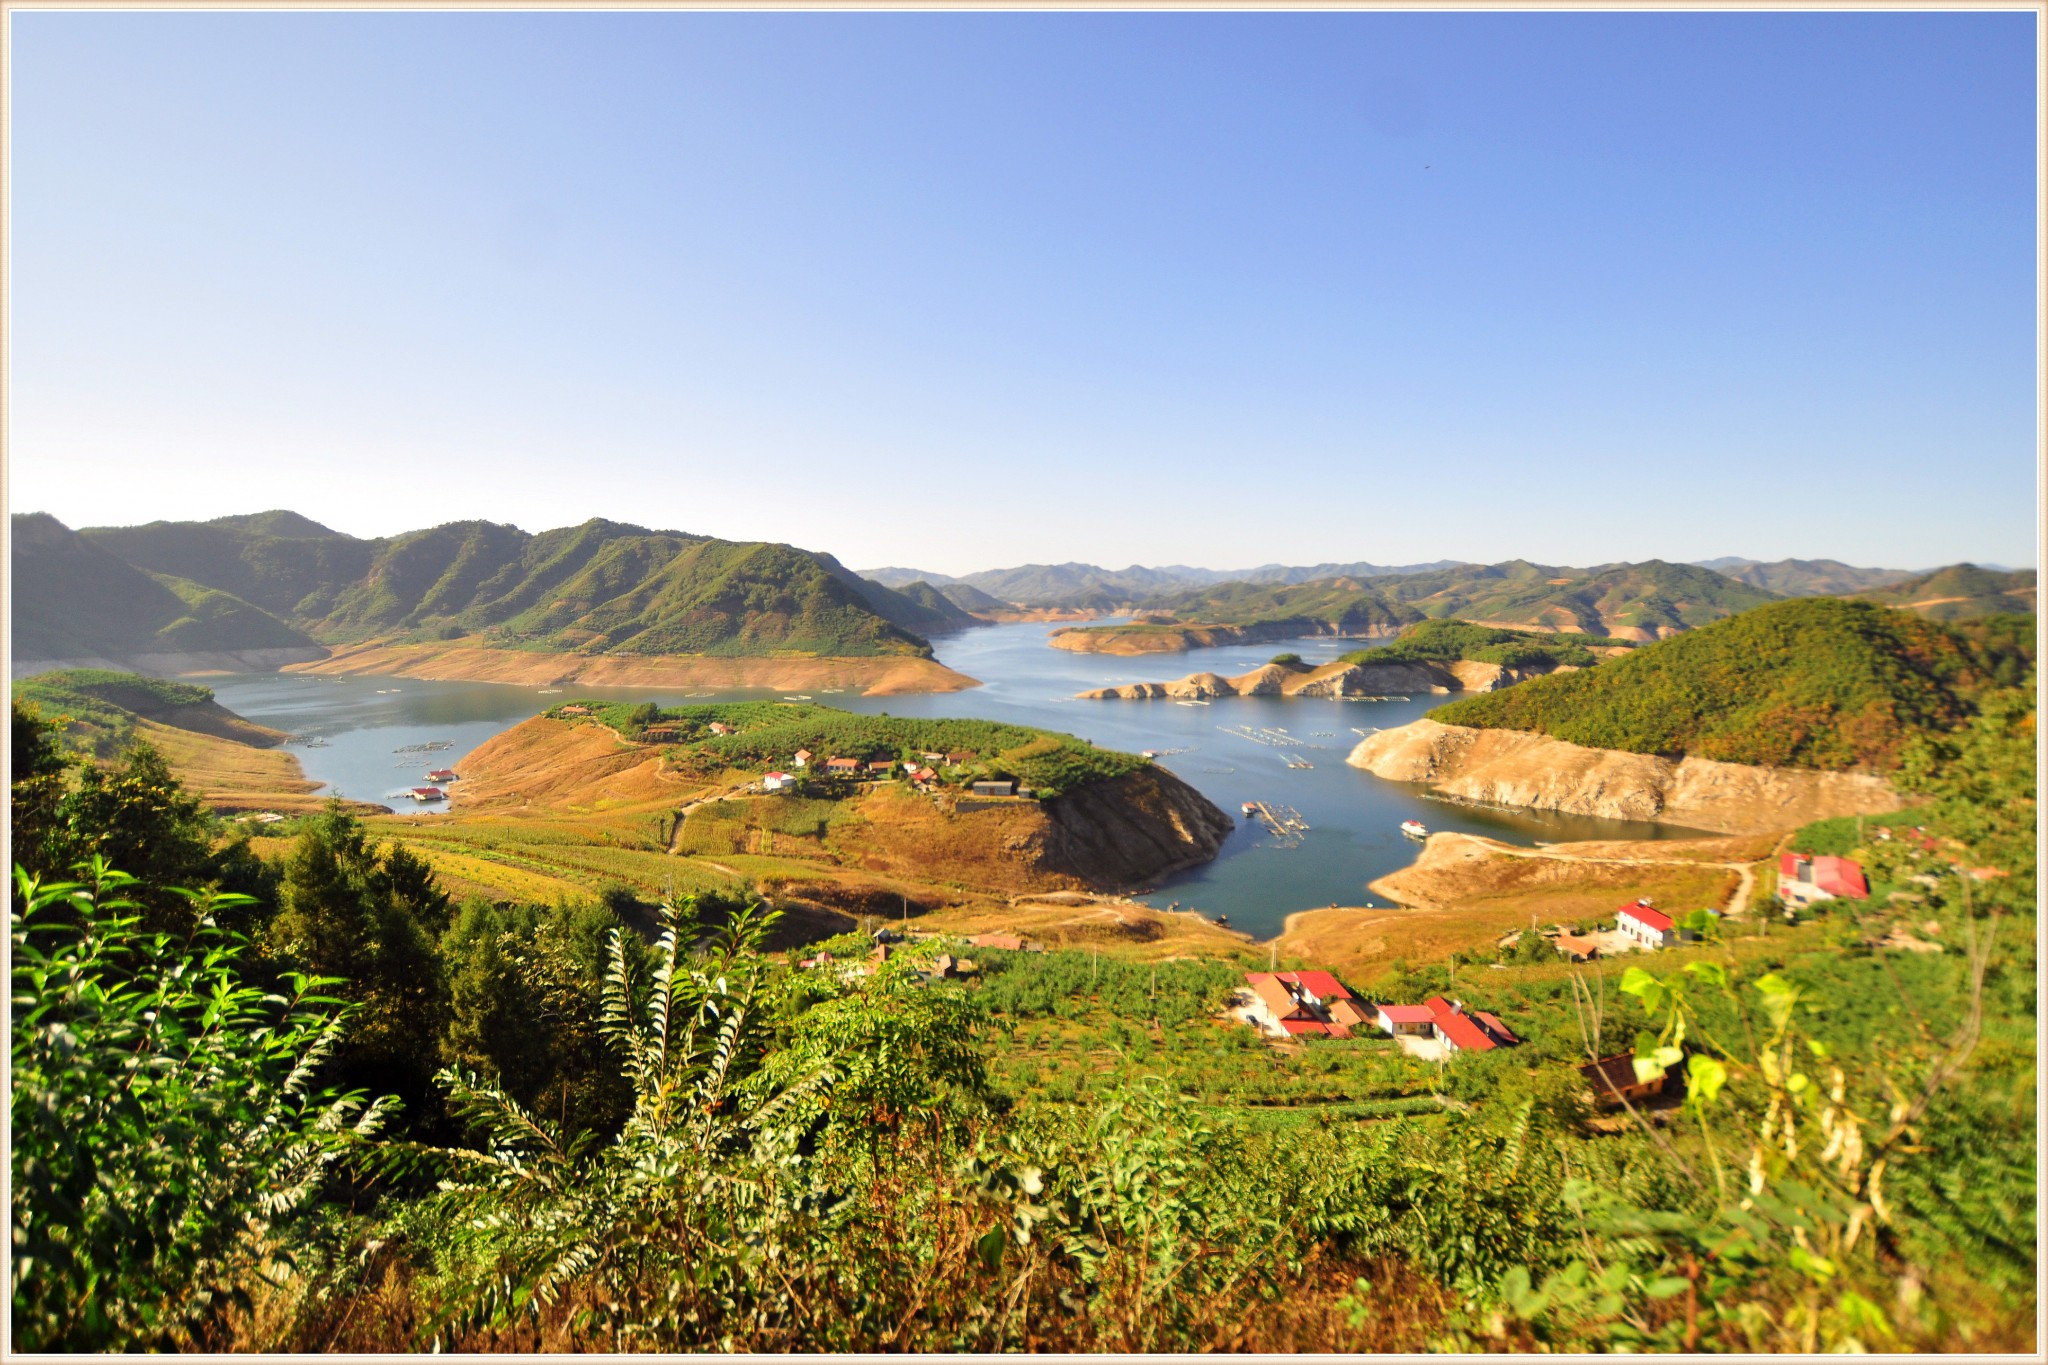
1797 711
1433 657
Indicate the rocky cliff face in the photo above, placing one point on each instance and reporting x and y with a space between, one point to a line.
1130 830
1331 680
1515 768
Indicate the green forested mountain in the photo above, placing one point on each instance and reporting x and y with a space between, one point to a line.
934 610
1450 640
1350 605
967 597
1639 601
598 587
1810 682
74 600
1804 577
1962 591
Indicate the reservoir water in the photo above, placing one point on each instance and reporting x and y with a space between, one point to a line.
369 725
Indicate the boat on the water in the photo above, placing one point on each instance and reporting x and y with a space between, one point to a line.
1414 829
1250 808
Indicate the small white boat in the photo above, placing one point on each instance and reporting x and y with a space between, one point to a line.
1414 829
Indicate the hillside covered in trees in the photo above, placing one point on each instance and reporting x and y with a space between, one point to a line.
1810 682
1447 641
280 579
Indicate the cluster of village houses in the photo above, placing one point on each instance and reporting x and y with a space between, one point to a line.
924 774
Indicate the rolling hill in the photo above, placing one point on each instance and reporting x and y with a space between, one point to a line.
1811 682
969 598
75 601
1803 577
1962 591
1452 641
597 588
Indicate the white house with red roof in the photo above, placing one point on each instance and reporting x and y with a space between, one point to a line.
1804 879
1415 1020
1650 927
775 782
803 758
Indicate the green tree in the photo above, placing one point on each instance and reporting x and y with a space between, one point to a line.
37 766
350 910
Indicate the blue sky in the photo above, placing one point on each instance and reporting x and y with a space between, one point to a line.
962 290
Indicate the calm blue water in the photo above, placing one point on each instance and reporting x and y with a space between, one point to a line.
1354 818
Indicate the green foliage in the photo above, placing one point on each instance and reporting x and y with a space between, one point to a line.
768 735
1813 682
165 1121
524 1009
368 917
1449 640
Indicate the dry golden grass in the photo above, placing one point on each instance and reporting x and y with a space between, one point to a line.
231 776
1118 927
1463 893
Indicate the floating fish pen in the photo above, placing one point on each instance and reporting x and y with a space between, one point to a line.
1284 823
426 748
1371 698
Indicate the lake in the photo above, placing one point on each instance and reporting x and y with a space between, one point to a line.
370 725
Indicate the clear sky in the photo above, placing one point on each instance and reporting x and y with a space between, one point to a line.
960 290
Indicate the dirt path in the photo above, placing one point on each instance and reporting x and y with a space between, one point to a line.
1738 904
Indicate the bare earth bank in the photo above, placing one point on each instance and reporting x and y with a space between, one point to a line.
1515 768
886 675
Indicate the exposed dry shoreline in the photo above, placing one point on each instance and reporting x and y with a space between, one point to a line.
460 661
1143 639
1332 680
1515 768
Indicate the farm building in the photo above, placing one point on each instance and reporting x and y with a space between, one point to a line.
994 788
660 734
428 794
441 775
1804 879
1395 1020
842 765
802 758
775 782
1646 924
1311 1002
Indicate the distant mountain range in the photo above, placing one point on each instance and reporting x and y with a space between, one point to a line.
1092 587
280 580
1631 601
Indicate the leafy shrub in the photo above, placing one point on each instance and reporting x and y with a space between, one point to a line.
165 1117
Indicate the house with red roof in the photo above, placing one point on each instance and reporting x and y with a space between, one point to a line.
1650 927
842 765
882 765
1414 1020
429 794
775 782
1804 879
1296 1003
803 758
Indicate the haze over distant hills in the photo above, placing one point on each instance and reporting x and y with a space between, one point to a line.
281 581
1092 587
